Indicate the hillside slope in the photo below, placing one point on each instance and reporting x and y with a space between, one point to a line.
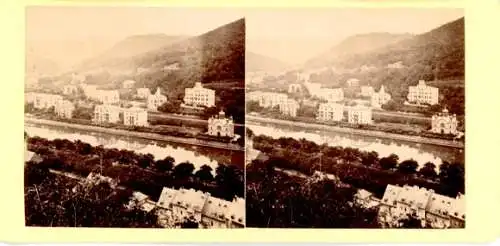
257 62
357 44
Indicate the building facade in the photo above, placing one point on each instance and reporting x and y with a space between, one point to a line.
422 93
290 107
331 95
444 123
189 203
135 117
380 98
199 96
128 84
106 114
359 115
352 82
156 100
221 126
65 109
44 101
434 210
294 88
330 112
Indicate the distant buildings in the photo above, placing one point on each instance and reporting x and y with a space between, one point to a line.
352 82
331 95
330 112
156 100
128 84
367 91
433 209
359 115
294 88
444 123
70 90
135 117
65 109
380 98
199 96
221 126
108 96
172 67
289 107
106 114
143 92
396 65
421 93
90 91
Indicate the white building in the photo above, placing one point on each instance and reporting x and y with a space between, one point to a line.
70 90
90 91
294 88
189 203
172 67
143 92
216 213
444 123
421 93
268 99
314 89
352 82
289 107
135 117
330 112
128 84
65 109
108 96
396 65
106 114
436 210
359 115
237 213
331 95
44 100
221 126
199 96
380 98
156 100
367 91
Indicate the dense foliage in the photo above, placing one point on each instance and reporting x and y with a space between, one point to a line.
275 199
358 168
59 201
137 171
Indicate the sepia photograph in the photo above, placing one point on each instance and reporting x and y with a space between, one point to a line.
355 118
134 117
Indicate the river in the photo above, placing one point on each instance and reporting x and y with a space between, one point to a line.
421 153
159 149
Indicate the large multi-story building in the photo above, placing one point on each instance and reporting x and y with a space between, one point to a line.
289 107
156 100
352 82
444 123
210 212
106 113
221 125
135 116
43 100
267 99
430 208
294 88
359 115
199 96
380 98
65 109
330 112
422 93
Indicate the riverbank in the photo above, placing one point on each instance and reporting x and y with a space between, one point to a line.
361 132
143 135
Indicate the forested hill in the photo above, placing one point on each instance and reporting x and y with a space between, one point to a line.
258 62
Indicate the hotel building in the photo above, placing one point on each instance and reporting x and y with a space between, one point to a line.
199 96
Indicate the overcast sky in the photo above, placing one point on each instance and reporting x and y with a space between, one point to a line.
292 35
295 35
